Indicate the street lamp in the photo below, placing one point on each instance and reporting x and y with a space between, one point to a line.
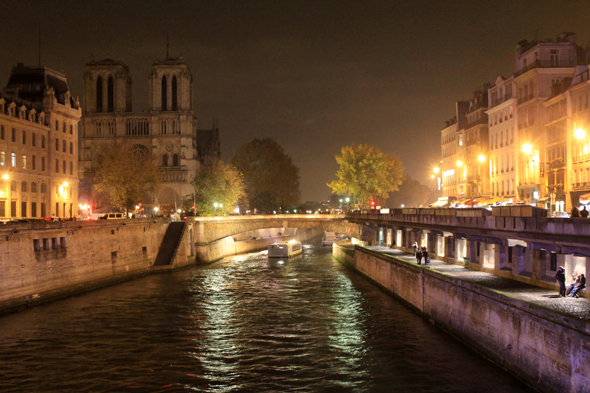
459 163
481 158
436 170
527 148
579 133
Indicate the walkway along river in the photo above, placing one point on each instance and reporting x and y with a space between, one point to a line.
244 324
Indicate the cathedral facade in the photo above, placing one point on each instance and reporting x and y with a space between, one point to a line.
167 129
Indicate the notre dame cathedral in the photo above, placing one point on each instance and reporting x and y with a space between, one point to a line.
167 129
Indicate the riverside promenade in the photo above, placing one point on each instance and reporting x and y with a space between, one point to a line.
528 330
546 298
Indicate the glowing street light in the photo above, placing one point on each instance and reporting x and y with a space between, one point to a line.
580 133
481 158
527 148
5 176
432 176
436 170
459 163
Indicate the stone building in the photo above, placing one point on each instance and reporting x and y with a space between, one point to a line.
38 145
451 149
539 65
167 129
503 142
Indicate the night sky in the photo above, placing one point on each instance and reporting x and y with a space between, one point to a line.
313 75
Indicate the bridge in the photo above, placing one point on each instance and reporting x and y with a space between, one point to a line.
519 243
214 237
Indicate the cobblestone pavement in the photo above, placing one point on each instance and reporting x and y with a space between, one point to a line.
545 298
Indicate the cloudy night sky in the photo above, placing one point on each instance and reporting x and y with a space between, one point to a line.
313 75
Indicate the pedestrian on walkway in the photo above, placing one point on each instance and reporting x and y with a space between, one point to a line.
415 245
584 212
560 277
392 243
581 284
419 256
425 255
575 212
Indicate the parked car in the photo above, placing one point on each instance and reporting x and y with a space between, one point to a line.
560 215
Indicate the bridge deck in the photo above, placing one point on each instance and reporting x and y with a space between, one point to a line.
545 298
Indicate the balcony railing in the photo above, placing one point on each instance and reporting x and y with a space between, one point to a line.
174 175
545 64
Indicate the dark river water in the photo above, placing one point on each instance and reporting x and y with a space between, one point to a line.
245 324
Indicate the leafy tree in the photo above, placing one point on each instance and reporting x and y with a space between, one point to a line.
271 179
410 194
367 174
217 183
126 174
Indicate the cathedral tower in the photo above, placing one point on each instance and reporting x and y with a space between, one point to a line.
107 87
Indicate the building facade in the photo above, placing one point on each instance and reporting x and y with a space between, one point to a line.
167 129
502 117
38 145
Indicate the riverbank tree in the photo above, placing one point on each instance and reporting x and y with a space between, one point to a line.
367 174
219 187
271 180
126 175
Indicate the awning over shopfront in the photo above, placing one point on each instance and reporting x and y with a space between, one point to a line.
585 198
440 203
544 199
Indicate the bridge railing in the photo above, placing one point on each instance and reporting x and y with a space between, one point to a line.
250 217
556 226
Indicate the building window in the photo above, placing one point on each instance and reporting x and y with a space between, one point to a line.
2 135
71 129
43 141
14 135
57 125
33 187
71 169
23 211
554 57
13 159
43 163
56 144
174 94
175 160
24 158
63 143
64 167
165 160
34 139
23 186
2 158
34 162
71 147
63 128
43 188
24 135
110 95
33 209
56 166
13 185
99 94
164 94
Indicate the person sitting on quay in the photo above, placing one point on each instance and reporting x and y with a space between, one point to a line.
575 279
581 284
575 212
584 212
560 277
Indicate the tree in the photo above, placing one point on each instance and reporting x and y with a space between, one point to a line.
127 174
410 194
367 174
217 183
271 180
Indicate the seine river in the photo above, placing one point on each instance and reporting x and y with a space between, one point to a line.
244 324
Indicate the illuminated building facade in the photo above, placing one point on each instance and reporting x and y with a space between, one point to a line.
38 145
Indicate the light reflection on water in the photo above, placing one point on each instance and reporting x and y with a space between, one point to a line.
245 324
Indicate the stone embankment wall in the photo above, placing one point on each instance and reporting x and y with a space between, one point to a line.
548 351
43 261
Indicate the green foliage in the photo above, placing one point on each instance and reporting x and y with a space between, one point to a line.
271 179
367 174
217 183
126 174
